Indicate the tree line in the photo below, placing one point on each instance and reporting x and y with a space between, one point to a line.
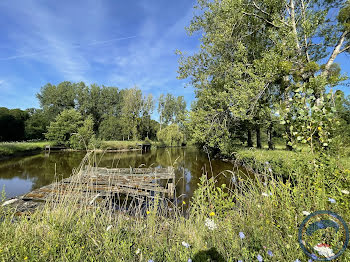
71 112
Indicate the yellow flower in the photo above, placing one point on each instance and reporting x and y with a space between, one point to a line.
212 214
25 258
82 247
147 212
319 128
183 202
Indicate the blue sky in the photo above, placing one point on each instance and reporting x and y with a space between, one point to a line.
115 43
110 42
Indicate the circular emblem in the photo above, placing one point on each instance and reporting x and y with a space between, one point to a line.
323 235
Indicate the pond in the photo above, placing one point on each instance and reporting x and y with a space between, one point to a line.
20 175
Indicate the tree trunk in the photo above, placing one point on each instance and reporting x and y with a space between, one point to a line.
269 136
288 139
249 140
258 136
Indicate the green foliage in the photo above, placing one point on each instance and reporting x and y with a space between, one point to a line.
253 65
9 149
65 125
85 133
12 124
36 124
111 128
171 135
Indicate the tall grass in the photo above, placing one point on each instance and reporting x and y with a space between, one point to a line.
267 209
11 148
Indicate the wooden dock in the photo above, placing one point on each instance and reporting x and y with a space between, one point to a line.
93 184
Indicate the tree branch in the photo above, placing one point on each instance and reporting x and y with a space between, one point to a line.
344 49
262 18
294 26
335 53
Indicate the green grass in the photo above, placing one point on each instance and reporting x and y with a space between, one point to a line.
11 148
66 232
120 145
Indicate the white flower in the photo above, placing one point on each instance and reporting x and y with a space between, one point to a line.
324 250
306 213
265 194
331 200
265 184
109 227
185 244
137 251
210 224
346 192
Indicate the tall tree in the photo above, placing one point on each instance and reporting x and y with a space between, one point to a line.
252 49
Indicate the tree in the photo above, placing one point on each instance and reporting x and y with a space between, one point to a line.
36 124
85 133
54 99
111 128
65 125
12 127
267 55
131 109
171 135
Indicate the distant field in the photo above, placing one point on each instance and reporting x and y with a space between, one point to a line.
11 148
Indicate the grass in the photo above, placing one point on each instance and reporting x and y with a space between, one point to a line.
267 209
12 148
120 145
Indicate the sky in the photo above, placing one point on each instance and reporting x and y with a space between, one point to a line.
107 42
113 43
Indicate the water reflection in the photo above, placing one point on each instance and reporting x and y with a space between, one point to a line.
23 174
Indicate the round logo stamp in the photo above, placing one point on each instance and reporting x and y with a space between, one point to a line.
323 235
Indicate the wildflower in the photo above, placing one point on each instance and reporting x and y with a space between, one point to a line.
264 247
265 194
82 247
265 184
186 245
151 260
240 260
211 214
189 260
233 178
306 213
147 212
346 192
25 258
109 227
319 128
270 169
241 235
270 253
297 260
210 224
332 200
259 257
183 202
267 162
137 251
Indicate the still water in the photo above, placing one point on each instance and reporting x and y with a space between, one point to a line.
20 175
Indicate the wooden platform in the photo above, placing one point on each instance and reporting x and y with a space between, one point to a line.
94 183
